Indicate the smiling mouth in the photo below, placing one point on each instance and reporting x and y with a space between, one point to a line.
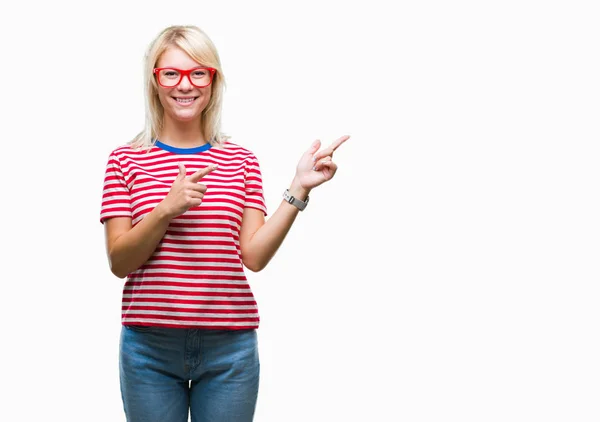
185 101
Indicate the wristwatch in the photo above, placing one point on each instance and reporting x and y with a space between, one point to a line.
295 201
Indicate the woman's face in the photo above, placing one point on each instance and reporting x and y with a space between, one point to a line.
184 102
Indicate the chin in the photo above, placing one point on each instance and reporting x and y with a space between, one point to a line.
187 116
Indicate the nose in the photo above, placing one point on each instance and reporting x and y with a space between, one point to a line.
186 83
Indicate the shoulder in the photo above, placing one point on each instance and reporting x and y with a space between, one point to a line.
127 151
235 150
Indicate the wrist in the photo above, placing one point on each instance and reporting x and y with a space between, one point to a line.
297 191
162 212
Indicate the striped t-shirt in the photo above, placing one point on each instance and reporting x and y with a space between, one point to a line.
195 277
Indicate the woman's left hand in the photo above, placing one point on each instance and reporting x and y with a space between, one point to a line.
317 167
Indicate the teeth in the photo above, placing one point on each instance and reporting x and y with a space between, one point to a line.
185 100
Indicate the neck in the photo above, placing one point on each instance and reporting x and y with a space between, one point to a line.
182 134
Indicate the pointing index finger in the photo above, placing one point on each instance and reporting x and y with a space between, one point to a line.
335 145
202 172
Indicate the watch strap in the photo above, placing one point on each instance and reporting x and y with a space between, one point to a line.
295 201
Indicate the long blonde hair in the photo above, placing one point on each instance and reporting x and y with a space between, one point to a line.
200 48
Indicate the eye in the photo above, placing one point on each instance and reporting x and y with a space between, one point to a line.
170 74
200 73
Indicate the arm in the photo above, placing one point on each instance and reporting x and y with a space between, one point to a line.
259 240
127 247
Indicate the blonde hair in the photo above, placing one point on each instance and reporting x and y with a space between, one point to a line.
200 48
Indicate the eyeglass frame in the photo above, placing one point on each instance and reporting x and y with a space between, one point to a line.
183 73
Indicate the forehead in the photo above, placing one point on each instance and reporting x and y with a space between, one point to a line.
176 57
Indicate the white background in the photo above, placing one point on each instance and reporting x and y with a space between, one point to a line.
449 272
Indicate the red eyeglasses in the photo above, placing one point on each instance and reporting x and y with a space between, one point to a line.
170 77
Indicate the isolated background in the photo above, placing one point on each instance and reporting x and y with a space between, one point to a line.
449 272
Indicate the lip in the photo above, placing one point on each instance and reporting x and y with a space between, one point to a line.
184 98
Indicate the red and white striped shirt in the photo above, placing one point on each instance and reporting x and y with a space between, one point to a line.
195 277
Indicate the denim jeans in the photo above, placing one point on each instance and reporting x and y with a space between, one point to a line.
166 372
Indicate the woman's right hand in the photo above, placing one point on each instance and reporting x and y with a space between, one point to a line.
185 192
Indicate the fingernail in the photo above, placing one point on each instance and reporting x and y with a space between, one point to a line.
215 166
314 168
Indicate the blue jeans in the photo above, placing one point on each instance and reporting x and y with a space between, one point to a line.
166 372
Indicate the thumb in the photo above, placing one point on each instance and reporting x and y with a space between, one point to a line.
182 172
314 147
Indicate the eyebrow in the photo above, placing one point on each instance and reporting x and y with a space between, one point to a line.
190 68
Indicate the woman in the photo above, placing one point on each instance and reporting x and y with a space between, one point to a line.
184 212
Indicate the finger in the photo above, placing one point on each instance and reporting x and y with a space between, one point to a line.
194 196
327 152
202 172
197 187
331 166
182 171
319 164
336 144
194 202
331 148
314 147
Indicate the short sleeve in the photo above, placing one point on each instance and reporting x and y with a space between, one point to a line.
116 198
254 186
